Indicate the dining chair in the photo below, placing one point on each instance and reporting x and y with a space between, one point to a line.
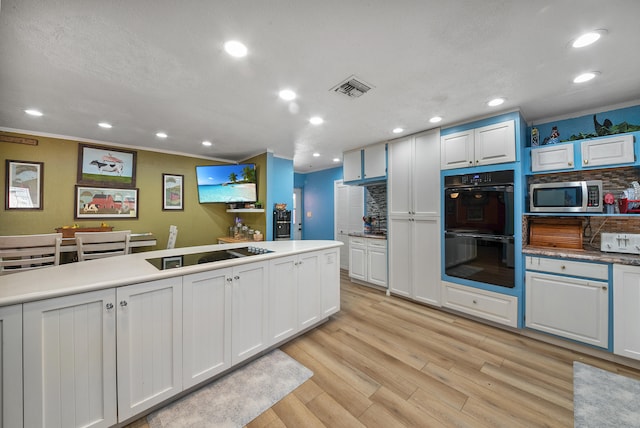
97 245
173 234
24 252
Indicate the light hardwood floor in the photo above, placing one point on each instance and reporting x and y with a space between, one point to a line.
387 362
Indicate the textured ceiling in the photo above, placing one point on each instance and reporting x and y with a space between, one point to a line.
150 65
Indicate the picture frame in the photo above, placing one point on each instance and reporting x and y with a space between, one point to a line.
106 166
24 185
105 202
172 192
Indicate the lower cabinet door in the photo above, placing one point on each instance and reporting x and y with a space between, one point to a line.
149 344
330 273
574 308
249 311
206 308
309 300
283 298
11 391
70 361
626 316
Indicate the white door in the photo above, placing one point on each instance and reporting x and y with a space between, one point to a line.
309 299
283 298
149 344
348 212
297 213
626 316
426 175
206 304
495 143
11 368
400 240
426 261
456 150
249 314
399 181
358 258
330 277
70 361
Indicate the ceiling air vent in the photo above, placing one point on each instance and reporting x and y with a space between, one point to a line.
353 87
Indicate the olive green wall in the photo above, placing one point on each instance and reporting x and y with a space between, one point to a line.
198 224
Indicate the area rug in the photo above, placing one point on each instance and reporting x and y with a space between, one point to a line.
237 398
604 399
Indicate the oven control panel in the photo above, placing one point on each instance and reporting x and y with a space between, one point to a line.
480 179
628 243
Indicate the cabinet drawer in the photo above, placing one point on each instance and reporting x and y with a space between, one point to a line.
377 243
568 267
357 242
491 306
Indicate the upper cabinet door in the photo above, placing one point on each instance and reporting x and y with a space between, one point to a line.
457 150
554 157
375 161
399 181
352 165
495 143
608 151
426 177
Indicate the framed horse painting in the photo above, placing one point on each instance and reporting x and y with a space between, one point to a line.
106 166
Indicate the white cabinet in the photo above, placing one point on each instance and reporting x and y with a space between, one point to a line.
11 368
309 289
608 151
149 337
365 164
480 146
375 161
330 281
352 165
553 157
368 260
206 340
567 306
414 217
626 316
249 311
496 307
358 258
70 361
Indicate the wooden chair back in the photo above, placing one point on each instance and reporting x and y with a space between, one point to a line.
173 234
25 252
97 245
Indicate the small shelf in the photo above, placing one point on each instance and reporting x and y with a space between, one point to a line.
245 210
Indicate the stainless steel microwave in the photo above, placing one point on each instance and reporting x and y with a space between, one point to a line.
569 197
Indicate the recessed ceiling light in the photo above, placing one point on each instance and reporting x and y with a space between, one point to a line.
316 120
336 159
33 112
105 125
161 135
588 38
435 119
495 102
585 77
315 155
397 130
287 94
235 48
207 143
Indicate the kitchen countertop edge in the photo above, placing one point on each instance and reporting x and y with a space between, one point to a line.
593 256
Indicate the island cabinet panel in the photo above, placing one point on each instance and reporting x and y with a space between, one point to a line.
309 299
11 367
250 311
149 337
70 361
283 298
206 304
330 273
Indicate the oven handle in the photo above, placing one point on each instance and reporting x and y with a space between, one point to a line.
495 238
508 189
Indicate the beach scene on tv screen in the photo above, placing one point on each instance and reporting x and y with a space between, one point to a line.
226 183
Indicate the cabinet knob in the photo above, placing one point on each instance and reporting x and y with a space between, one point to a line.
563 267
123 303
229 279
475 302
470 162
109 306
604 287
236 277
586 161
570 163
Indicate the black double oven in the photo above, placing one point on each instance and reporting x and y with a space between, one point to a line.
479 223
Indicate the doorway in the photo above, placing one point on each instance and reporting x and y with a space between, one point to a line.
297 213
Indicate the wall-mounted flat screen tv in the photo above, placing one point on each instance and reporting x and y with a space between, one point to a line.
227 183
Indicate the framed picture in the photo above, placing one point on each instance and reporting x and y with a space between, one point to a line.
106 166
172 192
24 183
106 202
171 262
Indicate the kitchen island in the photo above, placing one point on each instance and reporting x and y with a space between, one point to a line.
101 342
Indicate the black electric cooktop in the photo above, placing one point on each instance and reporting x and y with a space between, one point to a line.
181 260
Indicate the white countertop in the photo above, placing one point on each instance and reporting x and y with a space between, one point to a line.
79 277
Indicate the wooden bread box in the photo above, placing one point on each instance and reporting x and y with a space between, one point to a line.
70 232
556 233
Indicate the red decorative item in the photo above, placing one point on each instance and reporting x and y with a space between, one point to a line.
609 199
